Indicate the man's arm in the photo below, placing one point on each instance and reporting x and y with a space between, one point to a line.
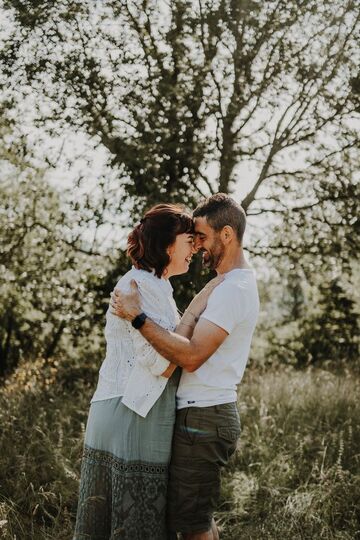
192 343
191 353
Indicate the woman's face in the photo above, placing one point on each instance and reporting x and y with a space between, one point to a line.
180 252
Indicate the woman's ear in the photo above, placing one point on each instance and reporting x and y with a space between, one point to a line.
170 251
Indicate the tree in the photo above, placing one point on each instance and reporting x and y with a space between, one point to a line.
314 296
331 332
185 96
173 90
50 288
318 231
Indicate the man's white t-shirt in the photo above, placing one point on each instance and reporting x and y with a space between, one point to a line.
234 306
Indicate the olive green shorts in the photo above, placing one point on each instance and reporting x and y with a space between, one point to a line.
203 441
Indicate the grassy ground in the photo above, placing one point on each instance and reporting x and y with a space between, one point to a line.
296 475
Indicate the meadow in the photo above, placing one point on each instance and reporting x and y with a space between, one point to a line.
107 108
296 474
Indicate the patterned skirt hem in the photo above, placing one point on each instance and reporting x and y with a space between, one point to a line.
120 498
117 464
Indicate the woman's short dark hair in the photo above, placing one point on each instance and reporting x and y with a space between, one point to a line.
157 230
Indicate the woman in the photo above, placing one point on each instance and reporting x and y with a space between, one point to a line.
132 413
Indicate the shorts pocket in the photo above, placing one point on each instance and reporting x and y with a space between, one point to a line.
228 437
229 434
188 425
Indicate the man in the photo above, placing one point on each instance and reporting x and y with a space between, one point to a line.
213 352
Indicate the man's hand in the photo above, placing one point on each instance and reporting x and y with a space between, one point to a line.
126 306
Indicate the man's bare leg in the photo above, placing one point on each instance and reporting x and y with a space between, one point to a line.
207 535
212 534
214 530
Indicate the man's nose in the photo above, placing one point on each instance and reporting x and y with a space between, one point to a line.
196 244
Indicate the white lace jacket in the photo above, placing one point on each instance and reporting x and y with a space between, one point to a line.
132 368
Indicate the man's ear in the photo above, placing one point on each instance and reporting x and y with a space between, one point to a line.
227 234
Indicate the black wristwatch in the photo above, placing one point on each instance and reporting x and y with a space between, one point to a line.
139 321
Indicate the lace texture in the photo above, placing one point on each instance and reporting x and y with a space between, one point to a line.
120 499
126 347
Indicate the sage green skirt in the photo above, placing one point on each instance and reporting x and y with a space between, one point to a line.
124 471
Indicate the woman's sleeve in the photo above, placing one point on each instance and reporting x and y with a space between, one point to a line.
153 303
148 357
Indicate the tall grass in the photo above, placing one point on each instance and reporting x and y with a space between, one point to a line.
295 476
43 410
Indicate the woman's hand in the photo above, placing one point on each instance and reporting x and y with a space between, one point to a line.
199 302
126 306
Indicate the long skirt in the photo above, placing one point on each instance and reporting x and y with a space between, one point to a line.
124 471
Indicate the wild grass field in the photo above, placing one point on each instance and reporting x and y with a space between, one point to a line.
296 474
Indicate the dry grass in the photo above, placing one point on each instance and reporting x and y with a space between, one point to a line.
296 475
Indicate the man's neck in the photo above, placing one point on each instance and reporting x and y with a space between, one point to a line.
232 262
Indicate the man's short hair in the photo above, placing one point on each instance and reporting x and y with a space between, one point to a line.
221 210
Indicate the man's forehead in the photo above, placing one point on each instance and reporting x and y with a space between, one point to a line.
201 225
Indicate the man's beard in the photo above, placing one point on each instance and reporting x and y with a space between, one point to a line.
213 259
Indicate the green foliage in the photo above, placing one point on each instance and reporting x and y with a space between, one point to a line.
49 290
172 90
312 306
320 325
171 95
331 331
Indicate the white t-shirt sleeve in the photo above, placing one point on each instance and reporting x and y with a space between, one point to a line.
226 306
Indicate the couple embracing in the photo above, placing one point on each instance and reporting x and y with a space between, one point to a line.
163 419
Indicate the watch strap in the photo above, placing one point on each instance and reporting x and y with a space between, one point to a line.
139 321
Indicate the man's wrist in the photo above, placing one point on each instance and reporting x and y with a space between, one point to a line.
139 320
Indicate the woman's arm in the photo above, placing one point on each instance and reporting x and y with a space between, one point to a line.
197 305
